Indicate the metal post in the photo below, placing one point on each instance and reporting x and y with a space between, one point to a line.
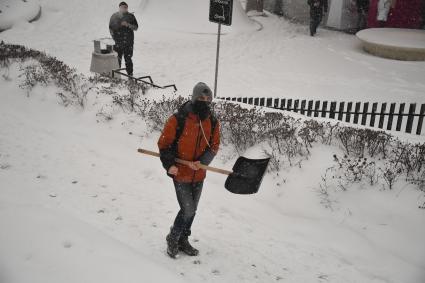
217 59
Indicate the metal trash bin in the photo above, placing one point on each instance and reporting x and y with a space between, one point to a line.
103 61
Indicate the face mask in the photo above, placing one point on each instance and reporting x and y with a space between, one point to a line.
202 109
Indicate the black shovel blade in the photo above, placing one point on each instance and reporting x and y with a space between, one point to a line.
247 175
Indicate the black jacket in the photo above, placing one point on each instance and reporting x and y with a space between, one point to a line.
318 4
362 5
123 36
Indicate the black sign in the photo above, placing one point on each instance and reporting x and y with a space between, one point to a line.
221 11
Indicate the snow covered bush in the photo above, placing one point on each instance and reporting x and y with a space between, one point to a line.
350 171
33 74
44 69
356 141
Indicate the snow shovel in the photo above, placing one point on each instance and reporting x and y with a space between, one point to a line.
245 178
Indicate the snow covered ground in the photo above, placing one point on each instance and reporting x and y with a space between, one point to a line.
79 204
15 12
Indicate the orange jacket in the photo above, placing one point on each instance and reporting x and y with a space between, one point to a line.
192 145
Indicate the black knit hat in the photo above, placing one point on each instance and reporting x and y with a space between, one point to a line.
122 4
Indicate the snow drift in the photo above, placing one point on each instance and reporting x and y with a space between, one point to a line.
13 11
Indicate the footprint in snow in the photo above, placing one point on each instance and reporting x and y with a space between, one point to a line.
5 166
323 277
67 244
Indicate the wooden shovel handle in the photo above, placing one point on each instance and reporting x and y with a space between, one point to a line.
185 162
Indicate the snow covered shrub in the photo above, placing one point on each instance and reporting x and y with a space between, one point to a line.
395 160
33 74
355 141
419 181
243 128
349 171
377 142
47 69
127 94
414 160
351 140
240 126
161 110
98 79
285 142
311 130
323 191
391 172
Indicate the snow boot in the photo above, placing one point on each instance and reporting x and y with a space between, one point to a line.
186 247
172 244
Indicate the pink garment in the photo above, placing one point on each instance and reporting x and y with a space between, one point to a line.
406 14
372 21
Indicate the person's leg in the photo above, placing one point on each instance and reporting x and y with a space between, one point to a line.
187 207
185 214
128 54
184 244
196 195
120 53
319 19
311 21
359 18
316 22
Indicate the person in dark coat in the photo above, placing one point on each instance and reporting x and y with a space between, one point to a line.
362 11
122 26
317 8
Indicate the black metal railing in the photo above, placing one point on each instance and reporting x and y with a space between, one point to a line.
142 79
378 115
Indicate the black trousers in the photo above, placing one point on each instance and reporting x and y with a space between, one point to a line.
127 52
188 195
316 15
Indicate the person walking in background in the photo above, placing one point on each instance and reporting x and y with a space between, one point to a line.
122 26
192 134
362 11
317 8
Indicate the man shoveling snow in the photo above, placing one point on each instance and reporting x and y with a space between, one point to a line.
191 134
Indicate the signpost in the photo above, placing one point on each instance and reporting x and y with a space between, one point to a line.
220 13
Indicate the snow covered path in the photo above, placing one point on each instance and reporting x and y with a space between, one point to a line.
60 162
279 61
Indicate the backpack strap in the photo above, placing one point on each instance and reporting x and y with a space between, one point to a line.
214 121
181 120
181 116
